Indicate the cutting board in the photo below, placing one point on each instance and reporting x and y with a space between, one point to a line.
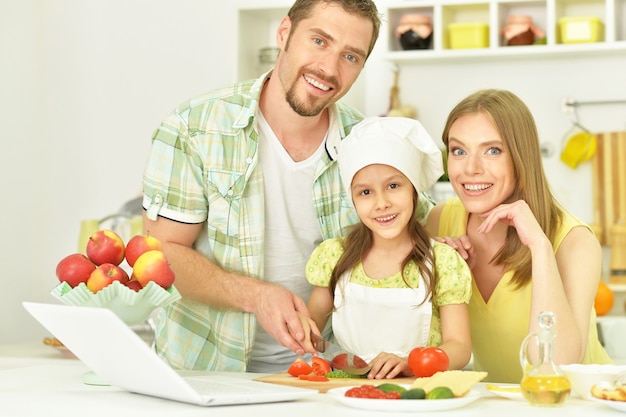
609 184
323 386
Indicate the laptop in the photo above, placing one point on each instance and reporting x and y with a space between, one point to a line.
116 354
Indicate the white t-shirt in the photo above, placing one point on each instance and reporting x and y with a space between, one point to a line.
291 234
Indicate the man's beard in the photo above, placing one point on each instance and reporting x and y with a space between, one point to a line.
301 108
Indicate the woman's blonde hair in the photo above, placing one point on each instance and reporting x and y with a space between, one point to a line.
516 126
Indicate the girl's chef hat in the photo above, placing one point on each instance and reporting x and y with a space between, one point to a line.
399 142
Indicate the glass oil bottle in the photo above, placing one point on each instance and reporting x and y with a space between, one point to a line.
543 383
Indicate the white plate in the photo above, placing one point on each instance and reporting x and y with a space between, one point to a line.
615 405
505 394
402 405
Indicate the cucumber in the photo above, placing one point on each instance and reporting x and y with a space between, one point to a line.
389 387
440 393
413 394
342 374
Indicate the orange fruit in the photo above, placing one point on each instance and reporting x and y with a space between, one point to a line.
604 299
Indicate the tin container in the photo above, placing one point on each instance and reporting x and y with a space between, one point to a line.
469 35
581 29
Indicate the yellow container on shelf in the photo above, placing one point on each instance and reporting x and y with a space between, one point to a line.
468 35
581 29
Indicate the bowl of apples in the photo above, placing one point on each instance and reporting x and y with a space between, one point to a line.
97 278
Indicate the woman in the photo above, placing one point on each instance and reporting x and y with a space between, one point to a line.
527 254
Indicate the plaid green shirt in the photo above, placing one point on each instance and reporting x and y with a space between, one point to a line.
203 169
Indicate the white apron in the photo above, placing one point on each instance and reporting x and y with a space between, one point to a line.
368 320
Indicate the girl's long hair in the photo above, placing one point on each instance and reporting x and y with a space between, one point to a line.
516 125
359 241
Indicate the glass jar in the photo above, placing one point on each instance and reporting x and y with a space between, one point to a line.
415 31
520 30
543 383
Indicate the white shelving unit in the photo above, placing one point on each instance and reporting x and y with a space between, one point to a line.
256 30
545 14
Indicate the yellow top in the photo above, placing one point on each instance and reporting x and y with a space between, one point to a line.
499 326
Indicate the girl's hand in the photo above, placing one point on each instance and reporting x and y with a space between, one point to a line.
388 365
518 215
308 325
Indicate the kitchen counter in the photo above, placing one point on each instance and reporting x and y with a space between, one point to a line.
42 381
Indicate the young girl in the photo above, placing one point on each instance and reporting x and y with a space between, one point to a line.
388 287
527 253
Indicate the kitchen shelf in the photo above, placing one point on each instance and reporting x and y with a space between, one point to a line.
545 14
257 24
256 28
617 287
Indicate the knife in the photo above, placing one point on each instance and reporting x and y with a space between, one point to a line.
338 357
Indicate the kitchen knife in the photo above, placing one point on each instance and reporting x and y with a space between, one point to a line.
338 357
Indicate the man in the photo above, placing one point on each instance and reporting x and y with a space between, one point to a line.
241 185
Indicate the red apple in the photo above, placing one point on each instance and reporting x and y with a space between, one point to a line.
140 244
105 247
133 284
74 269
104 275
153 266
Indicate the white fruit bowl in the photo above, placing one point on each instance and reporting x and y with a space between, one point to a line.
133 307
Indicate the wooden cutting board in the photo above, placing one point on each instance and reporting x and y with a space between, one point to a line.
609 184
323 386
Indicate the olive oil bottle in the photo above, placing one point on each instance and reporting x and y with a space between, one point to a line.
543 383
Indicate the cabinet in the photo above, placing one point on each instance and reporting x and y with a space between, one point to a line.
545 14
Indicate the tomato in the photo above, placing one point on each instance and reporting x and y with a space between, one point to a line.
341 361
426 361
370 391
299 367
313 377
320 366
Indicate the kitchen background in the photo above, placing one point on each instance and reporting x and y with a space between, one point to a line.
83 84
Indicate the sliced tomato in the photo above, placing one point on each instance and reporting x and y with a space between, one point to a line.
313 377
370 391
300 367
320 366
341 361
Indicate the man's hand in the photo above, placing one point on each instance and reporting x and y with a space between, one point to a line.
277 311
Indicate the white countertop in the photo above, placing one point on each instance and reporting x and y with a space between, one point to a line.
40 381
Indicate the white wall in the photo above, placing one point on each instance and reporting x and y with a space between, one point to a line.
21 161
83 84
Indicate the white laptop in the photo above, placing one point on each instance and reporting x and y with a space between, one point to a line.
115 353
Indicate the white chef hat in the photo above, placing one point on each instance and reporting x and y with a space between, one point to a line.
399 142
